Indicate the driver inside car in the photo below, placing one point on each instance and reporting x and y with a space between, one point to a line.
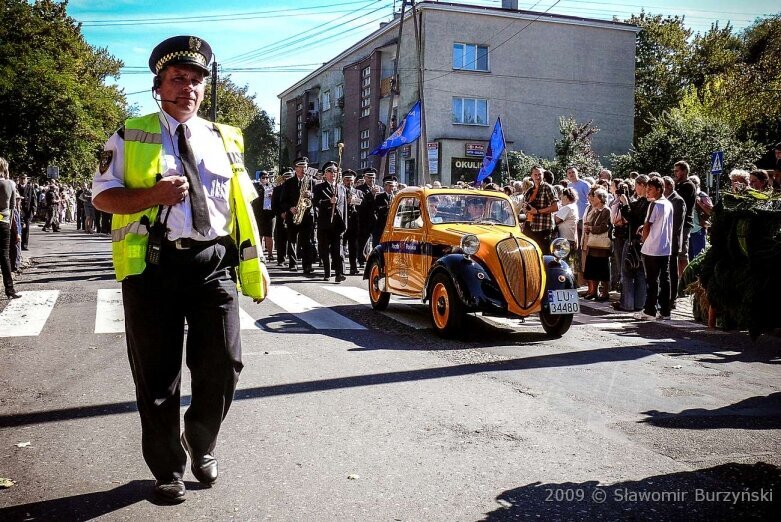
433 203
474 209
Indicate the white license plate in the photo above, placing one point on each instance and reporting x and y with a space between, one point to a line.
563 302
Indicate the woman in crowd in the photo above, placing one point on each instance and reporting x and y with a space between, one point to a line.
739 180
759 180
596 225
633 287
703 207
566 219
619 230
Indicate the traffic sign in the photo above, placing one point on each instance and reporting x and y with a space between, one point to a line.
717 162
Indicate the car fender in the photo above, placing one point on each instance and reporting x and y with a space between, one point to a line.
474 283
559 276
377 253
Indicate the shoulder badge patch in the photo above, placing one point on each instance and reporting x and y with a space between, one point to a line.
105 160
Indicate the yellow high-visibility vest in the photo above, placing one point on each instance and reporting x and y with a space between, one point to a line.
143 162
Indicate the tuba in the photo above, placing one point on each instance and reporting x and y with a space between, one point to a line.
304 203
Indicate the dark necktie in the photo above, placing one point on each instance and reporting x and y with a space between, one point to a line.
197 197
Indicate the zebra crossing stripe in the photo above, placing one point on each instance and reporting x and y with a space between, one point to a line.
309 311
27 315
110 314
247 322
413 317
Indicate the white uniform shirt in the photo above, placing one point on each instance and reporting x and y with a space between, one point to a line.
213 167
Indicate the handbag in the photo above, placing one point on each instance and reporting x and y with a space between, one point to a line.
633 260
599 240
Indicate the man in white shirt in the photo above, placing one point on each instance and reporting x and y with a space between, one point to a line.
657 246
176 184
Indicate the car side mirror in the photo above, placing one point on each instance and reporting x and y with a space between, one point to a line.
522 217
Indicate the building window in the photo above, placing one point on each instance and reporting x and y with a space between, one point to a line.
325 104
299 128
326 140
366 78
365 134
298 107
337 135
365 111
364 144
339 91
366 72
364 154
470 111
364 147
470 57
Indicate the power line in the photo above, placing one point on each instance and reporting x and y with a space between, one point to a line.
663 8
249 55
211 18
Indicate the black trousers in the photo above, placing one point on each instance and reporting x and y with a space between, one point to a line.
542 238
329 244
24 219
197 285
350 245
673 268
299 236
364 233
280 239
5 256
657 280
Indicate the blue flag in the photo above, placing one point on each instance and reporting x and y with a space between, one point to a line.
408 131
494 152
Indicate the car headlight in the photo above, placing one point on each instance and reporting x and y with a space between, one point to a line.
559 247
470 244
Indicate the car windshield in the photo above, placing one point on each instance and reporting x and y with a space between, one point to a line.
470 208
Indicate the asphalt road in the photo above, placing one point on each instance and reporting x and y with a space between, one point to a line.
344 413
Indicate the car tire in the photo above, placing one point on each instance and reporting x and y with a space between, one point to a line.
447 310
555 325
378 298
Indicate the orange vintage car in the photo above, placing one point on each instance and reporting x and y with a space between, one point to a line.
462 251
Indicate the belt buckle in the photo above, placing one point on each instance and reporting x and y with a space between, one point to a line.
183 243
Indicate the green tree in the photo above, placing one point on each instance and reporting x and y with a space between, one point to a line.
260 143
676 135
574 148
234 106
661 56
713 54
55 108
520 163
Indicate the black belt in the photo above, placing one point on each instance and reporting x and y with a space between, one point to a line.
185 243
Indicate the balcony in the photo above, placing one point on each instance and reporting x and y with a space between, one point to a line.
386 86
312 120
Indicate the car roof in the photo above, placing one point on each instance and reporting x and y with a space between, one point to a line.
425 192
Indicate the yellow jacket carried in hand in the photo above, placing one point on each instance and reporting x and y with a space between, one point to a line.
143 162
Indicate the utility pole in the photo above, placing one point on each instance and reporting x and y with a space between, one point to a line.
394 86
214 91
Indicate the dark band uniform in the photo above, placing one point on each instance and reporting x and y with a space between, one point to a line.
330 230
382 203
366 216
298 235
280 232
350 238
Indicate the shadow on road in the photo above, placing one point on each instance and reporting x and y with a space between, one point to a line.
727 492
755 413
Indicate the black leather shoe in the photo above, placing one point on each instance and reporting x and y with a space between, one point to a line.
13 294
170 492
354 272
340 278
326 278
309 272
204 467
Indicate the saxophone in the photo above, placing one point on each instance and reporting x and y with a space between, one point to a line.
304 203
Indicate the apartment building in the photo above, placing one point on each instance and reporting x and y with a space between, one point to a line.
476 63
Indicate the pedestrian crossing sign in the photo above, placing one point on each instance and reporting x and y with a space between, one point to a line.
717 162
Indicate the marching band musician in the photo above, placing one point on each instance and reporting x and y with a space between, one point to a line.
330 200
350 239
280 233
366 217
382 203
264 216
300 234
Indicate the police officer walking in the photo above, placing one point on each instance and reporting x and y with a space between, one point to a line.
182 231
299 235
330 200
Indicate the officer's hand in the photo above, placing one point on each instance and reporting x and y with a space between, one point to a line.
172 190
293 210
333 200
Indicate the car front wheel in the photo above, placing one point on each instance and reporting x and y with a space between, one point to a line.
555 325
378 298
447 310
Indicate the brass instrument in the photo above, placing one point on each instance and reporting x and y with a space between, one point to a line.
338 180
304 202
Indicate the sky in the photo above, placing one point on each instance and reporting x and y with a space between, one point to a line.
270 45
